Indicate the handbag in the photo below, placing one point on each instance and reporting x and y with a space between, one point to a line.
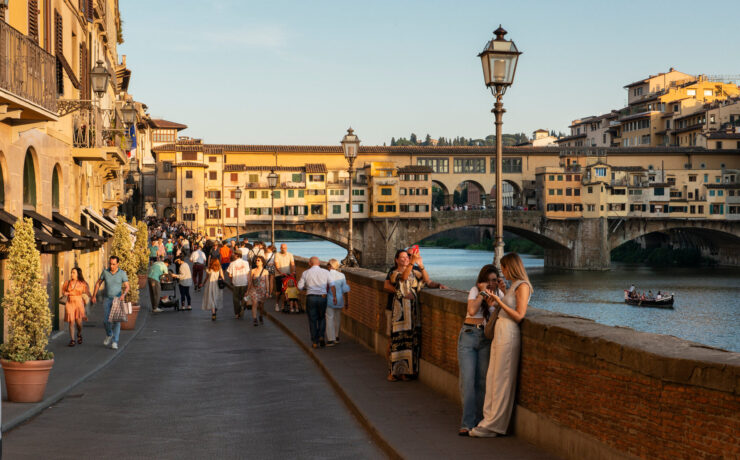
117 311
221 283
63 299
490 328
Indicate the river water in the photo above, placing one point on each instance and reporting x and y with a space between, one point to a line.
706 308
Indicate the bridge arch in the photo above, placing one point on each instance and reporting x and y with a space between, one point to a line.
469 192
440 194
708 233
512 194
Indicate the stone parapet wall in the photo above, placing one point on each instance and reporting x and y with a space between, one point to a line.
585 390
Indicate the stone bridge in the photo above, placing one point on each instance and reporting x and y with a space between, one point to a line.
580 244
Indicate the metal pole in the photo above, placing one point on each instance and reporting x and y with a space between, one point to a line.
236 239
498 110
350 262
272 213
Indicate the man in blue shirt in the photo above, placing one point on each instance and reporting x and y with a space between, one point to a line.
116 285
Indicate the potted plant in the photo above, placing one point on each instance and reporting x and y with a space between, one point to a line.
25 360
122 247
142 252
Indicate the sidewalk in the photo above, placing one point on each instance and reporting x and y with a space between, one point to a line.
409 419
73 365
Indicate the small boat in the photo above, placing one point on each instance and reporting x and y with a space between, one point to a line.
663 302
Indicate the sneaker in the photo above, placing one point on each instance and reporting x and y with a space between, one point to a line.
277 307
157 310
330 343
107 341
479 432
114 346
322 344
337 341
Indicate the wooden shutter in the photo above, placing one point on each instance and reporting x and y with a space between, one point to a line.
58 36
85 90
33 20
234 177
89 10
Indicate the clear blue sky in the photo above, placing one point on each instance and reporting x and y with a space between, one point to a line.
301 72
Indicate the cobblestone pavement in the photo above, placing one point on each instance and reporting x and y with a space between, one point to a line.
188 387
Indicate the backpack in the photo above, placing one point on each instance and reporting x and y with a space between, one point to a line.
225 255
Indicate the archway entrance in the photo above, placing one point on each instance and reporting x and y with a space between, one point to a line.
469 193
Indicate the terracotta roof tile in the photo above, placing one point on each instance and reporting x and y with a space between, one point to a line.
241 167
190 164
164 124
415 169
315 168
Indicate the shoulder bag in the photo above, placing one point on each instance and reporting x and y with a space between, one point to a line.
117 311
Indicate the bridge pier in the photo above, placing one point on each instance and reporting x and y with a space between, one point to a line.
589 247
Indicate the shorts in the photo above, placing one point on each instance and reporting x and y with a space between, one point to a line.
279 283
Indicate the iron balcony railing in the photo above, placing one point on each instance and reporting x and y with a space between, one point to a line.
26 70
88 128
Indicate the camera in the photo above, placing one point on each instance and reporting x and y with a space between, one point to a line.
485 294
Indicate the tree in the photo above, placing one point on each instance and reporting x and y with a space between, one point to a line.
123 248
140 246
393 141
427 140
412 139
26 304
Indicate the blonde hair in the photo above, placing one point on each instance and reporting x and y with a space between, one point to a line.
333 263
514 265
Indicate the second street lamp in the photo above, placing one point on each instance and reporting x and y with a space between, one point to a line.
219 216
499 59
238 196
99 77
272 180
351 146
196 216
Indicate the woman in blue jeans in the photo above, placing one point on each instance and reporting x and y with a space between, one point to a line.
474 349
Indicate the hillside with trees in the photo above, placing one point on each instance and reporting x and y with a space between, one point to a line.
507 139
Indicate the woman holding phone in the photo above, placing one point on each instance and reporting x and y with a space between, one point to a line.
405 280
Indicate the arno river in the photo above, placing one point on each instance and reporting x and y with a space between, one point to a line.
706 309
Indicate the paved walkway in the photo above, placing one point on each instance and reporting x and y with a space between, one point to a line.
415 421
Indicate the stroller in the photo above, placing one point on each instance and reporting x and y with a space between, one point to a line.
169 283
283 290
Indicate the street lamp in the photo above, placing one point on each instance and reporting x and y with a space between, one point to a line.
238 196
220 218
129 113
99 77
351 146
499 59
174 205
197 207
272 180
206 210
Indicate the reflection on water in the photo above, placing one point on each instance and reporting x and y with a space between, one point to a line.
706 310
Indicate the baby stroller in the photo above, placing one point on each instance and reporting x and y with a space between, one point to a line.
169 283
284 288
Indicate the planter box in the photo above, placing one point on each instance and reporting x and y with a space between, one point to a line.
130 323
26 382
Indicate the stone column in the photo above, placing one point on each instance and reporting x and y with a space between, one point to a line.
589 248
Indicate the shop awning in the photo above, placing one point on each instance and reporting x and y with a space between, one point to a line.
100 221
93 239
56 230
115 220
45 242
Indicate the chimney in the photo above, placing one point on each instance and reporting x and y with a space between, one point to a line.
670 70
123 60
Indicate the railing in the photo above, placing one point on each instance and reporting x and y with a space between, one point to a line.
344 181
26 70
88 128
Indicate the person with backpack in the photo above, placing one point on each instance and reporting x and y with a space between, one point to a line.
225 256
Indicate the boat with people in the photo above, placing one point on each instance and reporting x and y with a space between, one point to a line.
660 300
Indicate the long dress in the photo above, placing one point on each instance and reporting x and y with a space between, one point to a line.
75 307
406 325
213 297
257 292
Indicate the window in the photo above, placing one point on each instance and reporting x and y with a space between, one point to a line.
212 175
708 92
552 177
357 207
301 193
438 165
188 174
386 191
252 194
188 193
317 209
590 190
509 165
720 193
297 177
691 92
659 191
551 191
316 178
336 209
706 177
560 191
560 177
265 194
336 192
577 192
568 192
469 166
568 177
213 194
212 159
291 193
591 207
189 156
276 194
600 172
692 178
167 166
402 191
358 192
254 178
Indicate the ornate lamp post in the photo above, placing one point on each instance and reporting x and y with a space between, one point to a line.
205 218
272 180
238 196
351 146
195 217
499 59
220 219
129 113
99 78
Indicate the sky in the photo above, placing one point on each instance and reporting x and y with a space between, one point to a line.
302 72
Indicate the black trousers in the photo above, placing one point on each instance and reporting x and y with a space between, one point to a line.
316 309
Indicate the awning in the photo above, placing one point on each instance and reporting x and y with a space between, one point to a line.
115 220
44 241
99 221
56 230
93 239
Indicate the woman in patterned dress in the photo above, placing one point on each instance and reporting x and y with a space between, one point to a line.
213 295
258 288
406 280
74 311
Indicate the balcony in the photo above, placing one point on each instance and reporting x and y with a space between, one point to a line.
27 78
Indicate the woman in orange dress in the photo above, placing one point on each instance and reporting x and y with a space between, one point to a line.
74 313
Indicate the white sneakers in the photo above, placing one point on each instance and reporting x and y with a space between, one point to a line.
114 346
277 307
157 310
107 341
479 432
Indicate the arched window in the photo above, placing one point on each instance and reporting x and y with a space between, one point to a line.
55 190
29 181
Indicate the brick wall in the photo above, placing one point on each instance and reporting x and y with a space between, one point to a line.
585 390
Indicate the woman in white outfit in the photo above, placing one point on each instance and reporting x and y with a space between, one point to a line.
505 349
212 294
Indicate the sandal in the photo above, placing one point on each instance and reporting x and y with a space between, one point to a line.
255 322
392 378
79 338
213 317
463 432
261 320
71 343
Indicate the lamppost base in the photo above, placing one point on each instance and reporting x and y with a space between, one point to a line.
350 261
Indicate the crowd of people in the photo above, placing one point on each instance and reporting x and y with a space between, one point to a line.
488 343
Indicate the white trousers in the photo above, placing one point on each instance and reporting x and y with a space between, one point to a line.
501 377
333 321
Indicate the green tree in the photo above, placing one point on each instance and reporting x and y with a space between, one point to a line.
140 246
393 141
427 140
26 304
412 139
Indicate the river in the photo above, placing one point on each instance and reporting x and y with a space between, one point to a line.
706 309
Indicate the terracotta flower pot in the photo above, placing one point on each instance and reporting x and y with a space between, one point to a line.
26 382
130 323
142 281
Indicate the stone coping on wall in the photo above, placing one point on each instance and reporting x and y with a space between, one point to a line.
663 357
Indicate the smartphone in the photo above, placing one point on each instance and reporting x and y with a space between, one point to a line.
414 249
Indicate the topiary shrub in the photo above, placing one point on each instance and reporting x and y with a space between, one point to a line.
27 304
123 248
140 247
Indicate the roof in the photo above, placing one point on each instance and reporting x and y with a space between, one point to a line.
723 135
190 164
628 168
337 149
164 124
570 138
636 116
315 168
241 167
415 169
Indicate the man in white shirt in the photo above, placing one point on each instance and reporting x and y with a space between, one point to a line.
316 281
239 273
198 258
284 265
